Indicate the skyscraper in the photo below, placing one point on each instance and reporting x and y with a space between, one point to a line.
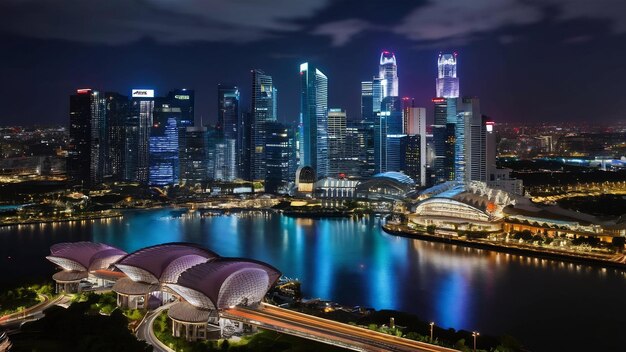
195 156
387 134
313 116
167 118
263 111
87 147
228 110
244 143
470 145
117 111
388 72
138 134
336 141
413 157
164 166
415 125
228 123
443 140
183 99
447 83
280 156
367 101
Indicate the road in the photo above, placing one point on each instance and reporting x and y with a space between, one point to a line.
14 321
327 331
145 331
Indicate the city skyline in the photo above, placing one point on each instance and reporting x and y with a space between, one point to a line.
503 63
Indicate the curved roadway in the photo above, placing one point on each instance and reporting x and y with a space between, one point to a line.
326 331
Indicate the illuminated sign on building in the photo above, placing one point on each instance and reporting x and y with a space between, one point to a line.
143 93
438 100
83 91
182 97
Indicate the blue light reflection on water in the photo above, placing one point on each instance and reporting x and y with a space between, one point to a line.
354 263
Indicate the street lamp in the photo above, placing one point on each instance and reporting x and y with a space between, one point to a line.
475 334
432 324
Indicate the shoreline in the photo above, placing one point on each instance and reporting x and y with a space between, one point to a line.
496 247
81 218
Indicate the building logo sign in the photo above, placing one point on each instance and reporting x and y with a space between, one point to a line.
182 97
143 93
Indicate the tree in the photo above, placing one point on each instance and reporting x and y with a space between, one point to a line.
618 242
431 229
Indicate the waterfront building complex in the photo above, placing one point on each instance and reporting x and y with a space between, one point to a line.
155 140
200 282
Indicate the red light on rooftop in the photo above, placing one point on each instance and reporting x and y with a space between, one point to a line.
83 91
439 100
490 123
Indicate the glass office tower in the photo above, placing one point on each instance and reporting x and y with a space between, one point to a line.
313 117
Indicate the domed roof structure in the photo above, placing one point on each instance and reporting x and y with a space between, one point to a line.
225 282
163 263
84 256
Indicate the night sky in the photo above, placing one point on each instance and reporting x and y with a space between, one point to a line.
528 61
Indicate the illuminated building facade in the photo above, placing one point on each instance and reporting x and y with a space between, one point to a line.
415 125
263 110
164 161
470 163
280 154
194 159
337 124
313 117
138 135
387 136
447 83
388 73
88 138
117 111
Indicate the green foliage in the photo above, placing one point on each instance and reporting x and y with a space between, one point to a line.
431 229
134 314
18 299
77 328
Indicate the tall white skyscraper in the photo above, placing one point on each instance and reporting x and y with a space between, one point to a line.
447 80
314 119
388 73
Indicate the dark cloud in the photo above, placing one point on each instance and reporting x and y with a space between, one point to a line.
459 21
123 21
342 31
442 21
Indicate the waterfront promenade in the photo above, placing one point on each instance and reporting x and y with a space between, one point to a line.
617 261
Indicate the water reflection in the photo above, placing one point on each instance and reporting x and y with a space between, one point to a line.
353 262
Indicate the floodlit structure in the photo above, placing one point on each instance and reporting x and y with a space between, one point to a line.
447 80
200 282
462 207
219 284
387 185
388 72
78 261
305 179
314 119
149 269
